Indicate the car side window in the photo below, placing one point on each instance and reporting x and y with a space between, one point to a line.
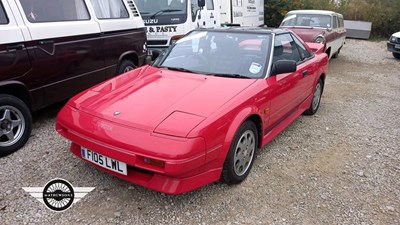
304 53
285 48
335 22
37 11
210 4
109 9
3 16
341 22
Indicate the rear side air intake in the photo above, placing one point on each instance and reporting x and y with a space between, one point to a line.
133 8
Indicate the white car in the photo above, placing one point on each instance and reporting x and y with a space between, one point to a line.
393 45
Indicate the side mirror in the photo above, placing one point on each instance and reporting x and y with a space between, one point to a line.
329 29
283 66
201 3
155 53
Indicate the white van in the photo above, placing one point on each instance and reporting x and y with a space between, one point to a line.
169 20
53 49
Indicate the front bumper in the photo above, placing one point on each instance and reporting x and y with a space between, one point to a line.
392 47
184 159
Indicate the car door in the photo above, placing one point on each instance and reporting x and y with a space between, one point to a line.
306 69
335 34
330 35
341 31
211 17
284 87
14 60
208 16
66 49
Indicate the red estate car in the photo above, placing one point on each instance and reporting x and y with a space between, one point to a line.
200 112
318 26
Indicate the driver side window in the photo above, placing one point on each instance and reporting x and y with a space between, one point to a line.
210 4
3 16
111 9
194 8
285 48
304 54
55 11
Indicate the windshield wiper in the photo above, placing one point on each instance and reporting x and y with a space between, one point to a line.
178 69
234 75
164 11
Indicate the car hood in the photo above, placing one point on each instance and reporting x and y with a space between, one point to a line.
308 34
396 34
159 100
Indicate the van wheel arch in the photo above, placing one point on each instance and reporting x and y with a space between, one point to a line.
17 90
124 60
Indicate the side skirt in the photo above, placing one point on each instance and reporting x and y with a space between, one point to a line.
286 122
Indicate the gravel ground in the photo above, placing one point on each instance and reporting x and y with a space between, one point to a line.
341 166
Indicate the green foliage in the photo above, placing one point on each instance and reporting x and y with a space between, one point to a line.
384 14
275 10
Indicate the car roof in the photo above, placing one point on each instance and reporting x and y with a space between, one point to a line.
244 29
321 12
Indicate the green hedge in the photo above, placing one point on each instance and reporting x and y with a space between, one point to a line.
384 14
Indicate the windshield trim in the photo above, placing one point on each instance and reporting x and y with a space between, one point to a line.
269 67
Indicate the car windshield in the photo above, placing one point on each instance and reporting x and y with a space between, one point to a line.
220 53
307 20
158 7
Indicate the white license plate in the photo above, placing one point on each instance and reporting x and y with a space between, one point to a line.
104 161
397 46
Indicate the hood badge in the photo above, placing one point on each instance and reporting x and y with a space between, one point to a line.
116 113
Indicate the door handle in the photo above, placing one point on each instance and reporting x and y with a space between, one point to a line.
15 47
305 73
45 42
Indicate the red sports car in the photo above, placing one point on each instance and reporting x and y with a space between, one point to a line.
200 112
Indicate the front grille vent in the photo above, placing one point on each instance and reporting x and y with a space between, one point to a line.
157 42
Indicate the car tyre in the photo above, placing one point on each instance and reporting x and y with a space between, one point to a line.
396 55
15 124
241 154
125 66
316 98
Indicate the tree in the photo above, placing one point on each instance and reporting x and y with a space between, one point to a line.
384 14
275 10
